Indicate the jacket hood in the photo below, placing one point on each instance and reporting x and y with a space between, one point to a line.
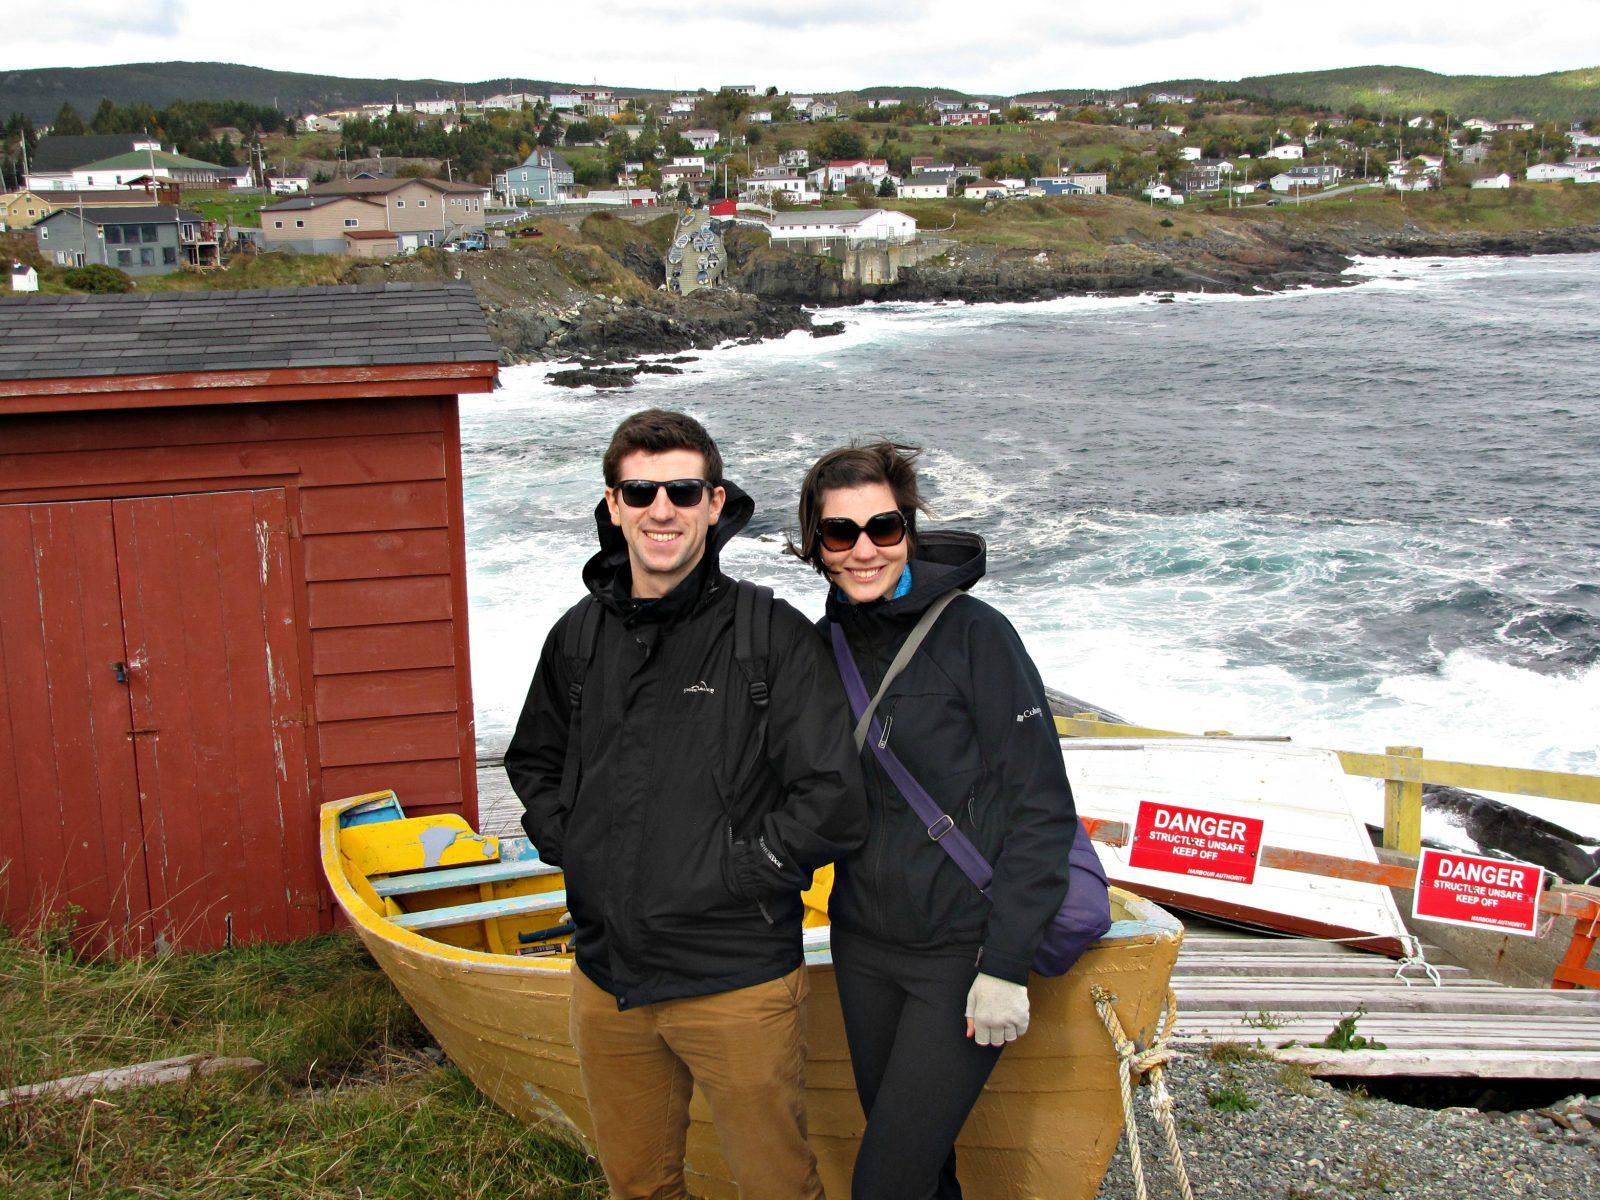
602 572
944 560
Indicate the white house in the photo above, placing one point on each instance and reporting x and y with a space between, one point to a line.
697 161
625 198
796 189
515 100
822 110
565 101
1191 153
1499 181
1426 174
842 172
436 108
927 185
680 106
741 89
802 104
1289 151
288 185
1551 172
1307 175
24 278
702 139
1162 192
315 123
795 160
852 224
985 189
884 102
761 117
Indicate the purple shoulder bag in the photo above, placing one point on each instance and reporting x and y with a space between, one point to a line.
1085 914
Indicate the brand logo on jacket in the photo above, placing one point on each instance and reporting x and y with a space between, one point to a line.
700 687
1032 712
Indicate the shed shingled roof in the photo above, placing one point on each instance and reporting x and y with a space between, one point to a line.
51 337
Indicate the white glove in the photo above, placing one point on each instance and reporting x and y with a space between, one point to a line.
997 1011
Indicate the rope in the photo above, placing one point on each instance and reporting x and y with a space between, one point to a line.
1151 1061
1413 957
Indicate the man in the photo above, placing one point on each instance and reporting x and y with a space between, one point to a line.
688 805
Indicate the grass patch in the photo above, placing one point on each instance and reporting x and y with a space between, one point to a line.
1231 1097
227 207
1297 1078
275 270
1235 1052
350 1105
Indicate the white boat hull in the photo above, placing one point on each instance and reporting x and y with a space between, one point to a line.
1302 796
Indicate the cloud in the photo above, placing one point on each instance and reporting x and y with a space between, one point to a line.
825 45
95 21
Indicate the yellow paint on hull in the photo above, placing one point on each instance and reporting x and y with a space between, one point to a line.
1045 1127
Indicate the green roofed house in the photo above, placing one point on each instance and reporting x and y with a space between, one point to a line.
145 160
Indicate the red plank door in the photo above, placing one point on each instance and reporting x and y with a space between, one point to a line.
218 717
70 831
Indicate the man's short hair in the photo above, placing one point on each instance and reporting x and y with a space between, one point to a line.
655 431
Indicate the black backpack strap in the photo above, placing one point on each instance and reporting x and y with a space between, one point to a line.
752 636
577 647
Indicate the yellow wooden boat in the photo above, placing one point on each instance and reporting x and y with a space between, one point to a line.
448 913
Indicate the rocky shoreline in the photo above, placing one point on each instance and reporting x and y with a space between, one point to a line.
775 293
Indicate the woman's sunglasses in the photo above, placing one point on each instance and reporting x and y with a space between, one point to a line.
841 533
641 493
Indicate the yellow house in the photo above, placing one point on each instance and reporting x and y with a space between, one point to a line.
19 210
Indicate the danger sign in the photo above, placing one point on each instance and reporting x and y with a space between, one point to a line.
1461 889
1191 841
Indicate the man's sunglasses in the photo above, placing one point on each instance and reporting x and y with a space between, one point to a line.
641 493
841 533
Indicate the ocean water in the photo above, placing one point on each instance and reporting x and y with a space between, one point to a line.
1358 517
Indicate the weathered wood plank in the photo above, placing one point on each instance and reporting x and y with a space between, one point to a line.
483 910
116 1079
435 881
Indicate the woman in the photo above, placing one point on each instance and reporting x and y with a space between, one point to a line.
932 973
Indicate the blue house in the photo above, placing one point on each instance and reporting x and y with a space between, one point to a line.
545 178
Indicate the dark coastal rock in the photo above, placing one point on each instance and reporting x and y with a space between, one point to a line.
1497 827
602 377
658 369
833 329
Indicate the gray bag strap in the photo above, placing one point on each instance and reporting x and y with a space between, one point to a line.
907 649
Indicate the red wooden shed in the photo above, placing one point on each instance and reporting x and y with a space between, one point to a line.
232 584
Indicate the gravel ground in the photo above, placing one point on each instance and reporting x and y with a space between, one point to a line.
1304 1138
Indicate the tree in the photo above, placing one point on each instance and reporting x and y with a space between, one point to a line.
836 143
886 188
67 123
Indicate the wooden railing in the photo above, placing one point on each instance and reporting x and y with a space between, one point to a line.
1404 771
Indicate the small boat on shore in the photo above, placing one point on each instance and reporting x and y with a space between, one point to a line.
1301 794
470 929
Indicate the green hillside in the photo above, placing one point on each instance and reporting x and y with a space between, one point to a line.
40 93
1559 96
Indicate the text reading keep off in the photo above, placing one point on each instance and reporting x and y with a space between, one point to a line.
1191 841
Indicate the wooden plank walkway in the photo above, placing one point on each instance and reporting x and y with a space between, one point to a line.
1265 991
1236 986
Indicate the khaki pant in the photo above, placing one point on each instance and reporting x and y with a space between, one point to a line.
744 1049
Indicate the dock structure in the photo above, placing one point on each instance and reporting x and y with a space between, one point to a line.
1265 991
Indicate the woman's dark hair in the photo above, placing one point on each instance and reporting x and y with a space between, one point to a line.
854 466
655 431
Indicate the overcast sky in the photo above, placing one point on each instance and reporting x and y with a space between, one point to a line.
799 45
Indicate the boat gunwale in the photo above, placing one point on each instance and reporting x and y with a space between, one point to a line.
1152 923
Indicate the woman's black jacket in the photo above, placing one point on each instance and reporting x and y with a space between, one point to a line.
969 719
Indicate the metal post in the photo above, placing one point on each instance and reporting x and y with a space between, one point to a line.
1402 806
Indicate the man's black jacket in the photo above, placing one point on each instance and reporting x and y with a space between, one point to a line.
691 834
969 719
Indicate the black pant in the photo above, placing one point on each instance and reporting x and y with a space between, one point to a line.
917 1072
